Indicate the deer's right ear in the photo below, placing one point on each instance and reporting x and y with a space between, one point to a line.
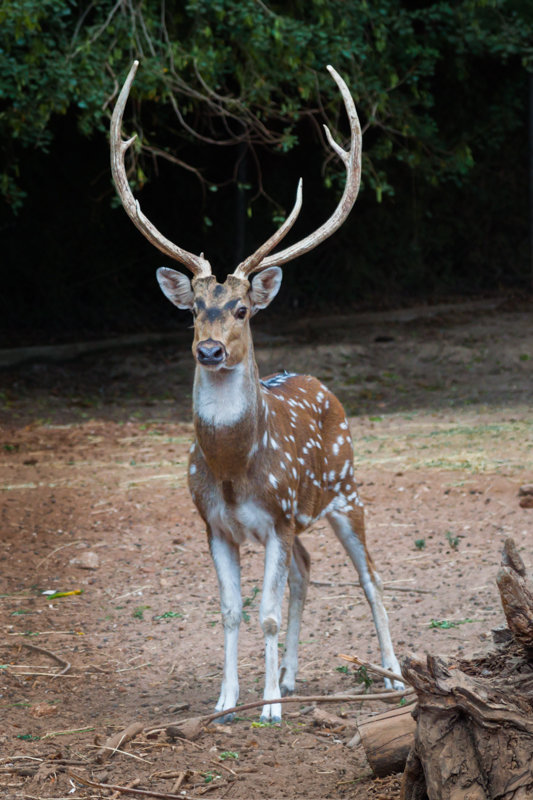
176 286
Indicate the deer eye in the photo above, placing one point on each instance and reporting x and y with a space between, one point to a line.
241 312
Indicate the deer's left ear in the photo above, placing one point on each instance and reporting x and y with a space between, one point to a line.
265 286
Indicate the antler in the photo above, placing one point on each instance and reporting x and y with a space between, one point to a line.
198 265
352 161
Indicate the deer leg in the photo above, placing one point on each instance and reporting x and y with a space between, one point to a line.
227 564
298 582
349 529
275 578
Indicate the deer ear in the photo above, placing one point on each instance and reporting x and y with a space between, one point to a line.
265 287
176 286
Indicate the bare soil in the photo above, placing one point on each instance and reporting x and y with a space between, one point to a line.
94 501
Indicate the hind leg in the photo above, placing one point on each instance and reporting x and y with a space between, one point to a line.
350 530
298 582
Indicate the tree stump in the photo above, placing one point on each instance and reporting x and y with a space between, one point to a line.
474 733
387 739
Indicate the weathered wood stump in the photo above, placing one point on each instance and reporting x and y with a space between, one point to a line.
474 733
387 739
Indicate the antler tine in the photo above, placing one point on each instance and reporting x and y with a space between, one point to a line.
255 261
352 163
198 265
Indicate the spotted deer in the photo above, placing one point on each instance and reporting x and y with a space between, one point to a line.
272 456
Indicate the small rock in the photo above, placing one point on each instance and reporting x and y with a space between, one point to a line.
178 707
321 717
526 501
526 490
87 560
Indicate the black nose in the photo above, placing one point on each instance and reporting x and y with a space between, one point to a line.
210 352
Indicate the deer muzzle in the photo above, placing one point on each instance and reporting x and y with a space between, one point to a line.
210 353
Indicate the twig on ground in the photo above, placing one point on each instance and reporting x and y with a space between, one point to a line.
373 667
61 547
180 779
20 758
29 770
212 786
386 587
220 765
114 742
52 734
131 785
53 656
124 753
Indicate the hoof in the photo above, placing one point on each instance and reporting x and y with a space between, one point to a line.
270 720
225 720
286 692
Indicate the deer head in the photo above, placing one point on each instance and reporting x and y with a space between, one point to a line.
222 311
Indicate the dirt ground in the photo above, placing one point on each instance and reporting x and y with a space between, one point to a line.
95 505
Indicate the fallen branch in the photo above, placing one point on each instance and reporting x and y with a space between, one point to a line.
128 789
192 727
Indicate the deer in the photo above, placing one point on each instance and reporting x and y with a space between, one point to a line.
270 456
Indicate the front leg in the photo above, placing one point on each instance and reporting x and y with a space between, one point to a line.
277 555
226 559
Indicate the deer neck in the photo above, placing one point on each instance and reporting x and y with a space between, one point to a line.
227 422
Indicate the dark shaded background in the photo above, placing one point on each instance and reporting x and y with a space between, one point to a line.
75 267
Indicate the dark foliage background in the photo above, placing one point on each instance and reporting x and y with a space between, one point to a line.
228 106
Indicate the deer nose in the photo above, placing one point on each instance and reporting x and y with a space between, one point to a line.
210 353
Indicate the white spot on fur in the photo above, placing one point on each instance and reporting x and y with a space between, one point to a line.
344 470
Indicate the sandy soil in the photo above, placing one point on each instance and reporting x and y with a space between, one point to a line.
94 501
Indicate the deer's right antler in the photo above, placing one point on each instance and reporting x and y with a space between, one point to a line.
263 256
198 265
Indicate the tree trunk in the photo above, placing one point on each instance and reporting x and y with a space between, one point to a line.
474 733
